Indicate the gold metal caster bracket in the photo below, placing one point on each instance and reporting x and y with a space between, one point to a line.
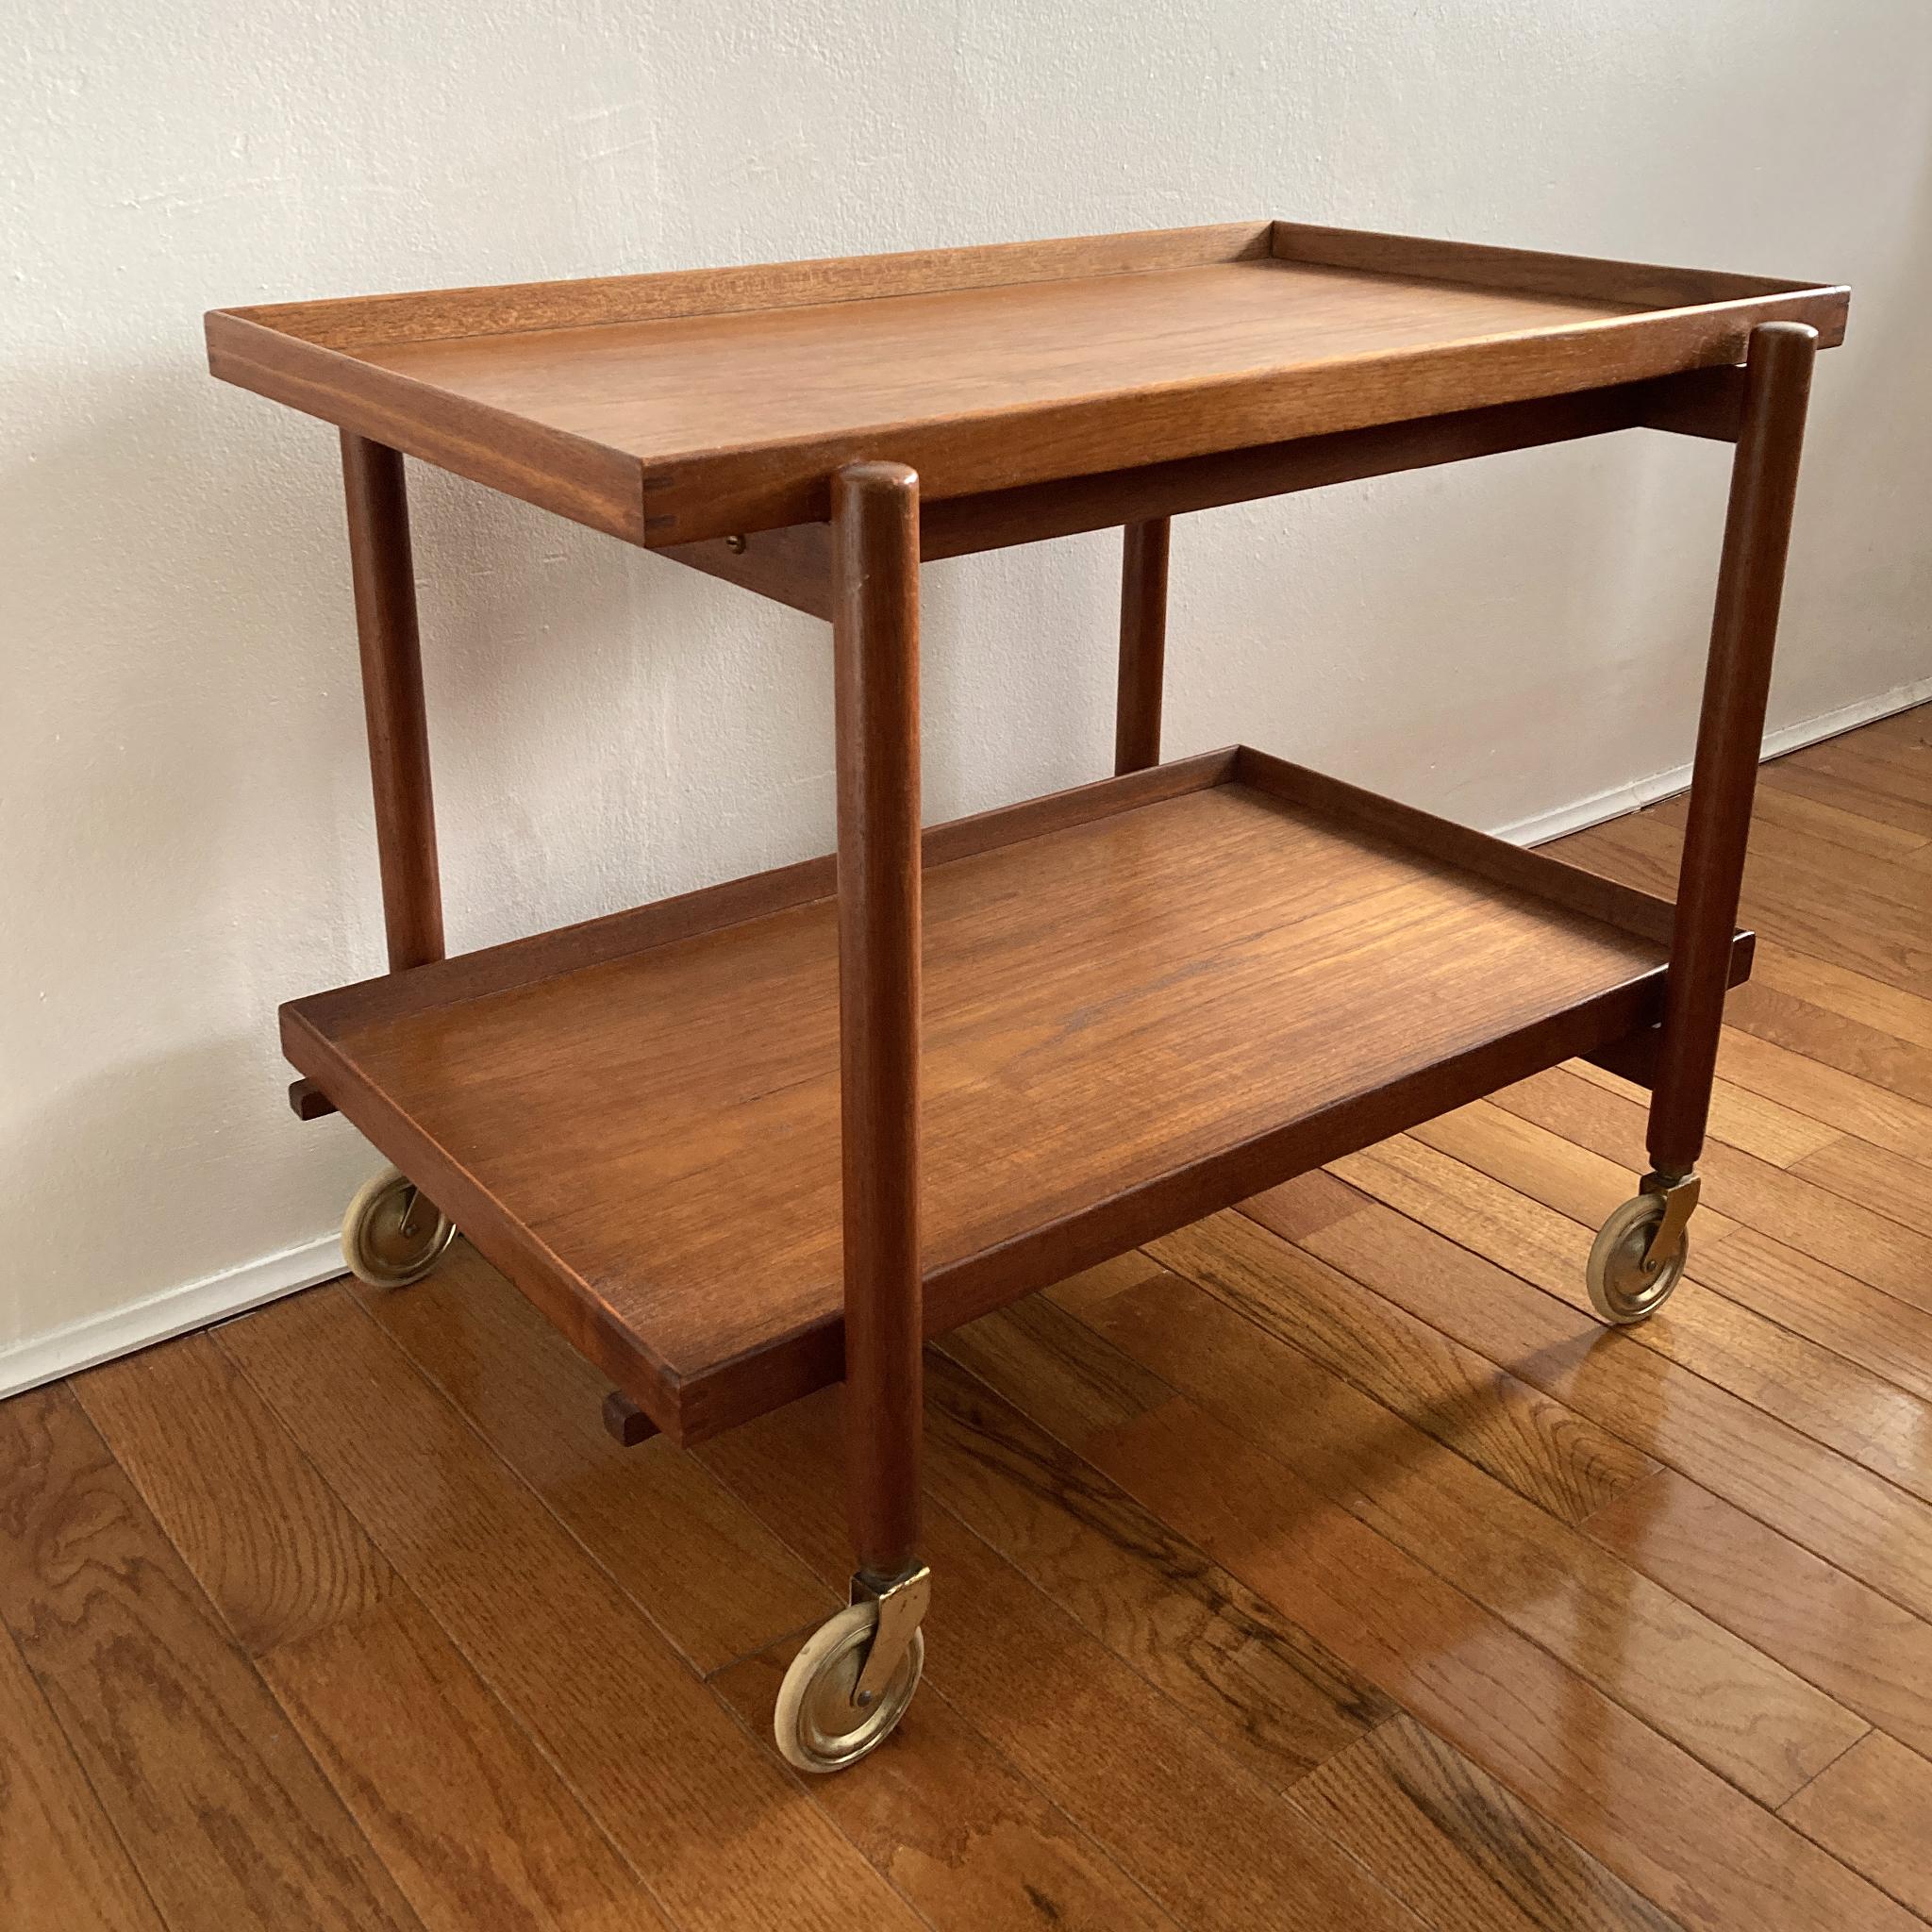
392 1234
848 1687
1640 1255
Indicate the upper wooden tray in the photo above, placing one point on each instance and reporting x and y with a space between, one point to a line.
666 409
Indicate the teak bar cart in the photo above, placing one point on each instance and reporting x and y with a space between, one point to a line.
747 1142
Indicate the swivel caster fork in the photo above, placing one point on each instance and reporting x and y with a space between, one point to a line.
1640 1254
848 1687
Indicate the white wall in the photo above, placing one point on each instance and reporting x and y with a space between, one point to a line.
186 830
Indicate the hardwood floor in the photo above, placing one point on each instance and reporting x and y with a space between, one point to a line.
1325 1565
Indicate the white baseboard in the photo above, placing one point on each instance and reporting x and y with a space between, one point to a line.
173 1312
1622 798
199 1304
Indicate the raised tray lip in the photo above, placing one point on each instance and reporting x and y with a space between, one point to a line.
318 1032
307 354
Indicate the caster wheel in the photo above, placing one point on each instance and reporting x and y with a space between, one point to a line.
393 1233
1623 1288
819 1727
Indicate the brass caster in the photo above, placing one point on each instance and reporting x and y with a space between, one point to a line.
393 1233
824 1720
1631 1271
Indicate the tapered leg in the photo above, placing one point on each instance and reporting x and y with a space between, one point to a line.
1143 644
875 647
1730 735
393 700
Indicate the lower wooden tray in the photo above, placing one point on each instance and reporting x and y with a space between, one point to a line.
1144 999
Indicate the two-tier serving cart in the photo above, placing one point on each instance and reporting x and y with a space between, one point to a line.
756 1139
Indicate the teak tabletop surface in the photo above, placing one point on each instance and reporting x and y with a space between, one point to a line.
664 1124
667 408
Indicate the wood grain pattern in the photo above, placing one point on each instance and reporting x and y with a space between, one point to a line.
61 1860
1083 1725
465 1814
1873 1655
1740 1117
1670 1829
691 1802
1457 1848
969 1842
1210 1008
1867 1525
1276 1700
670 409
1829 1094
956 1828
1781 1203
1690 1680
1289 1645
1841 920
1811 1298
1539 1448
271 1544
225 1814
477 1827
1874 1809
536 1401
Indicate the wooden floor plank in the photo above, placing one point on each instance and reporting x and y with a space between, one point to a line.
476 1828
968 1840
1832 1507
228 1819
1907 731
1871 1655
1889 1184
1871 931
61 1863
1673 1831
1455 1845
720 1838
1765 1008
1830 861
1747 1192
1271 1696
1352 1574
1540 1449
1087 1729
1859 791
1777 807
1750 1720
1738 1117
1507 1140
1852 1319
1835 988
1874 1809
267 1540
734 1586
1864 1416
1828 1095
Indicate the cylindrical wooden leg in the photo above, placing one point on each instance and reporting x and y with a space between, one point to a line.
875 650
1143 644
1730 735
392 699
